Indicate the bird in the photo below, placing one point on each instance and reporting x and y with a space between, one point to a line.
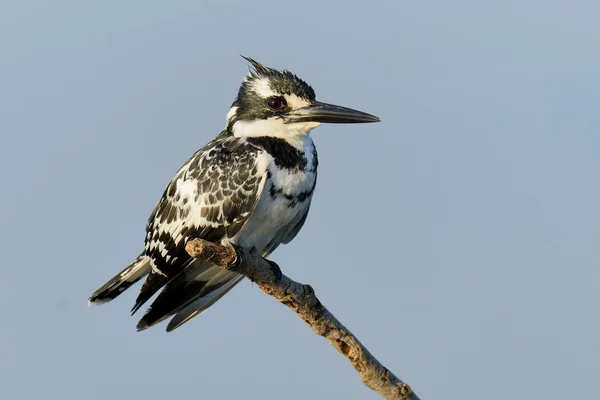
251 186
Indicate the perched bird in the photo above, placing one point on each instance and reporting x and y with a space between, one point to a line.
252 185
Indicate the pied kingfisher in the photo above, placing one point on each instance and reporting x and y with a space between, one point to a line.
252 185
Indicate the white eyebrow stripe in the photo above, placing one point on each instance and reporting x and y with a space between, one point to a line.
262 87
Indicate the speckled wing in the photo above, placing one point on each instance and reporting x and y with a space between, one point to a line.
210 197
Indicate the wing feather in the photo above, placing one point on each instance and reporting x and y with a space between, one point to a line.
210 197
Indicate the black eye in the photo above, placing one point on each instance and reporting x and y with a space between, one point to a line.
276 103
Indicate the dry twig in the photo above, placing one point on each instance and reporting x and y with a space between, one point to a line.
302 300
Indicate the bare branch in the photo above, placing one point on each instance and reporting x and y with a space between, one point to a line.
302 300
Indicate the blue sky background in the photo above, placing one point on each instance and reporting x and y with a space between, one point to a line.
458 238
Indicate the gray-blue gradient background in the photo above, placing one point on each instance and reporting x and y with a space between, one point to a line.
458 238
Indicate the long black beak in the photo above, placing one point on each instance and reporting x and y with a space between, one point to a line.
329 113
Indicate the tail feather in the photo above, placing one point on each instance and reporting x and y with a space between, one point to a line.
200 305
152 284
135 271
200 283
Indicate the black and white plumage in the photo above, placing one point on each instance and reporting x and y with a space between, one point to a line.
252 185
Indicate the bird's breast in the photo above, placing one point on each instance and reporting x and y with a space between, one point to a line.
283 204
292 184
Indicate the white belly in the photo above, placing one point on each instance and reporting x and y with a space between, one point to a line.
283 203
272 222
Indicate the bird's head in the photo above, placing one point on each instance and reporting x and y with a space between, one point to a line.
278 103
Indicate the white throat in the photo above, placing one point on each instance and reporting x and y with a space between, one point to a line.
274 127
